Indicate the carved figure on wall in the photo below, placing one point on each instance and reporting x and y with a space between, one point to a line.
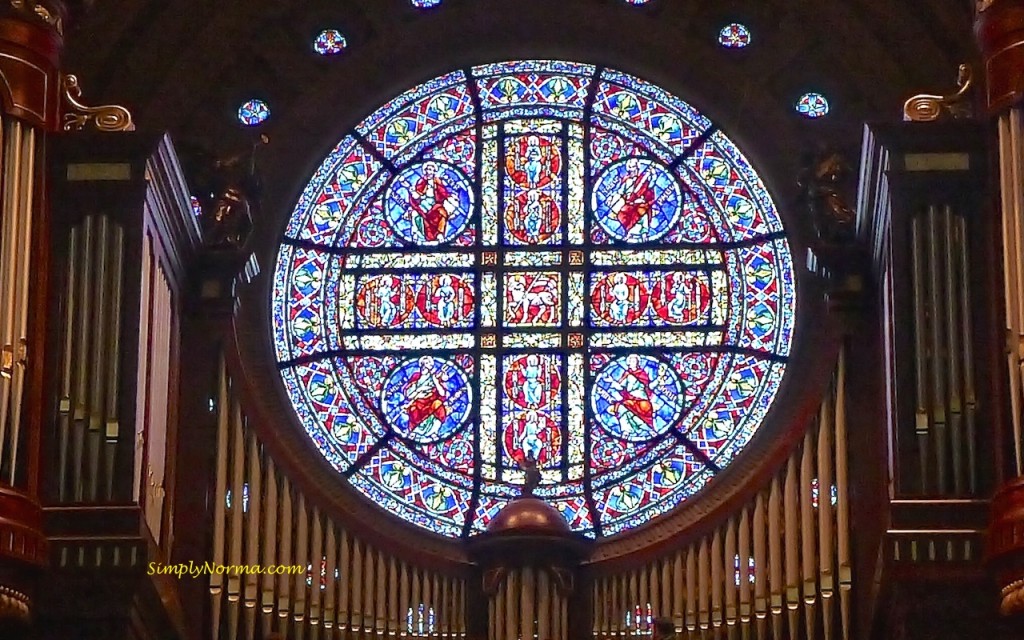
233 186
823 182
229 222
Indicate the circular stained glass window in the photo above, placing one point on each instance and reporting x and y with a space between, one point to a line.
533 261
253 112
330 42
734 36
812 105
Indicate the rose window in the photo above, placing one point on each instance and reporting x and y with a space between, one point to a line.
533 262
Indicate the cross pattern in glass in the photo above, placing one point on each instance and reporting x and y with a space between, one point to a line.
533 260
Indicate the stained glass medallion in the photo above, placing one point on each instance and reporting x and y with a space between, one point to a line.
734 36
534 259
253 112
812 105
329 42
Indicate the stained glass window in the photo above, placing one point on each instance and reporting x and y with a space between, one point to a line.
253 112
419 621
812 105
323 574
425 4
816 491
533 260
734 36
640 620
751 570
329 42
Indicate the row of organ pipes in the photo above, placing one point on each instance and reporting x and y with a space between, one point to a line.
90 436
528 604
87 419
16 217
343 586
1011 181
945 403
779 568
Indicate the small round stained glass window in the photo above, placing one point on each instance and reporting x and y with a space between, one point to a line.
253 112
330 42
812 105
734 36
533 263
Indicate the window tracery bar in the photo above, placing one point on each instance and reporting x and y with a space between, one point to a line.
521 219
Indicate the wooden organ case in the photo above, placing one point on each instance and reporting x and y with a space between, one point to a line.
123 236
926 213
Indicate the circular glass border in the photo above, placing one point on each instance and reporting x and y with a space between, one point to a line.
726 210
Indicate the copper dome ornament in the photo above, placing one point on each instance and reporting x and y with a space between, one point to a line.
529 515
529 531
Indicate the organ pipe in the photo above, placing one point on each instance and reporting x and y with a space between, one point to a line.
71 305
920 350
343 583
316 569
825 513
21 174
1011 157
842 505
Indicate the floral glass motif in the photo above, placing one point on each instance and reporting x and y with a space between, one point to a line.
329 42
812 105
734 36
253 112
537 260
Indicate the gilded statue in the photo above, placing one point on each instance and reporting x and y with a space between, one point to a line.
233 186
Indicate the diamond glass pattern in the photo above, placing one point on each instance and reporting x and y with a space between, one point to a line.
537 260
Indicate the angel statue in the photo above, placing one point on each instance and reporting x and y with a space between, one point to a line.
229 190
822 181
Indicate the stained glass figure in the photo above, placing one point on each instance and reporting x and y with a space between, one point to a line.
636 200
253 112
637 397
532 260
197 208
532 299
533 189
426 399
734 36
429 203
329 42
531 409
812 105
